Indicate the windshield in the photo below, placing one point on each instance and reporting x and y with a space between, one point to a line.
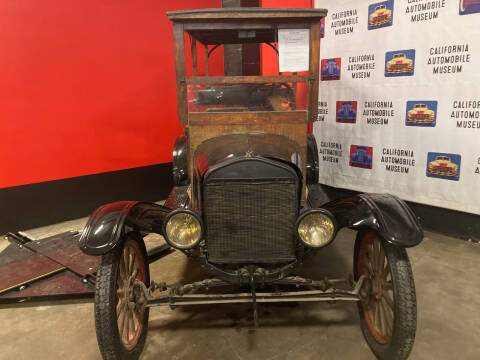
247 97
218 81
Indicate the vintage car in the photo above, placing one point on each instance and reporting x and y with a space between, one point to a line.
242 204
381 16
330 71
346 113
465 4
443 165
360 158
421 114
399 64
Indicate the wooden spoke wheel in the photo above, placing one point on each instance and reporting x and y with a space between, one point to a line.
129 312
388 305
121 319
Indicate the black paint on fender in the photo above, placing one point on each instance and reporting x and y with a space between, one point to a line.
107 225
312 160
180 172
387 214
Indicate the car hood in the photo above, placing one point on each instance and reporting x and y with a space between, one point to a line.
227 147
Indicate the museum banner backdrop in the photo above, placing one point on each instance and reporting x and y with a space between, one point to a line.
399 104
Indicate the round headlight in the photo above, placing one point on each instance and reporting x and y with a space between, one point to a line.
183 229
316 228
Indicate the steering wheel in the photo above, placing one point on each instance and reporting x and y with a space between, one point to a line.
273 97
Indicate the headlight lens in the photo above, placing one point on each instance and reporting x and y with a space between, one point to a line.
183 230
316 228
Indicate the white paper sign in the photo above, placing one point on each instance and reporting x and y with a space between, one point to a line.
293 48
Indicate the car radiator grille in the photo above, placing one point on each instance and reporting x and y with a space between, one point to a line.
250 222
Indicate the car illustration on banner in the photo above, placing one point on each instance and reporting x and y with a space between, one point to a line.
322 28
469 7
346 112
400 63
421 113
330 69
443 165
361 156
380 15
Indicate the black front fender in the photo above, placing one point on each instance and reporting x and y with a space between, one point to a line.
384 213
107 225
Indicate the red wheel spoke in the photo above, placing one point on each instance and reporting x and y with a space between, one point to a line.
388 300
375 255
131 262
125 261
370 252
386 271
377 317
374 252
136 320
119 308
388 315
131 326
124 334
123 270
385 329
381 259
121 316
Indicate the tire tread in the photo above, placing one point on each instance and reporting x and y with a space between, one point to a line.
106 326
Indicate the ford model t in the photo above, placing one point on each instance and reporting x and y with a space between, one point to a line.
241 204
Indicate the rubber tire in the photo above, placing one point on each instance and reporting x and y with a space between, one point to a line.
108 338
405 304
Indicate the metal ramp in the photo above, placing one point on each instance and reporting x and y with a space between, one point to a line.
52 268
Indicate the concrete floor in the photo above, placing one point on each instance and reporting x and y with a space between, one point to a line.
447 281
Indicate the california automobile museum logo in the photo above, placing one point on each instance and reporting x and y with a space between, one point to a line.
469 7
346 112
400 63
380 15
330 69
361 156
421 113
444 166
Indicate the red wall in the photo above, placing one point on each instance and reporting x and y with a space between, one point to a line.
269 63
86 86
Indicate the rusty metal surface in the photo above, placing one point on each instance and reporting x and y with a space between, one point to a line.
51 268
62 284
12 252
63 248
24 267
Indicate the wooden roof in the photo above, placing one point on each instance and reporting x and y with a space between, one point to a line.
247 13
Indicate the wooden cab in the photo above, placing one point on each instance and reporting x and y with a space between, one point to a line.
278 98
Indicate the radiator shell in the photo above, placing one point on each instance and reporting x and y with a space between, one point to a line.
250 207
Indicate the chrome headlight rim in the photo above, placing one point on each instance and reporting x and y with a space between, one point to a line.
312 211
183 211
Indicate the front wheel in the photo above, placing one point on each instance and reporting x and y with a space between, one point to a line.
121 320
388 306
